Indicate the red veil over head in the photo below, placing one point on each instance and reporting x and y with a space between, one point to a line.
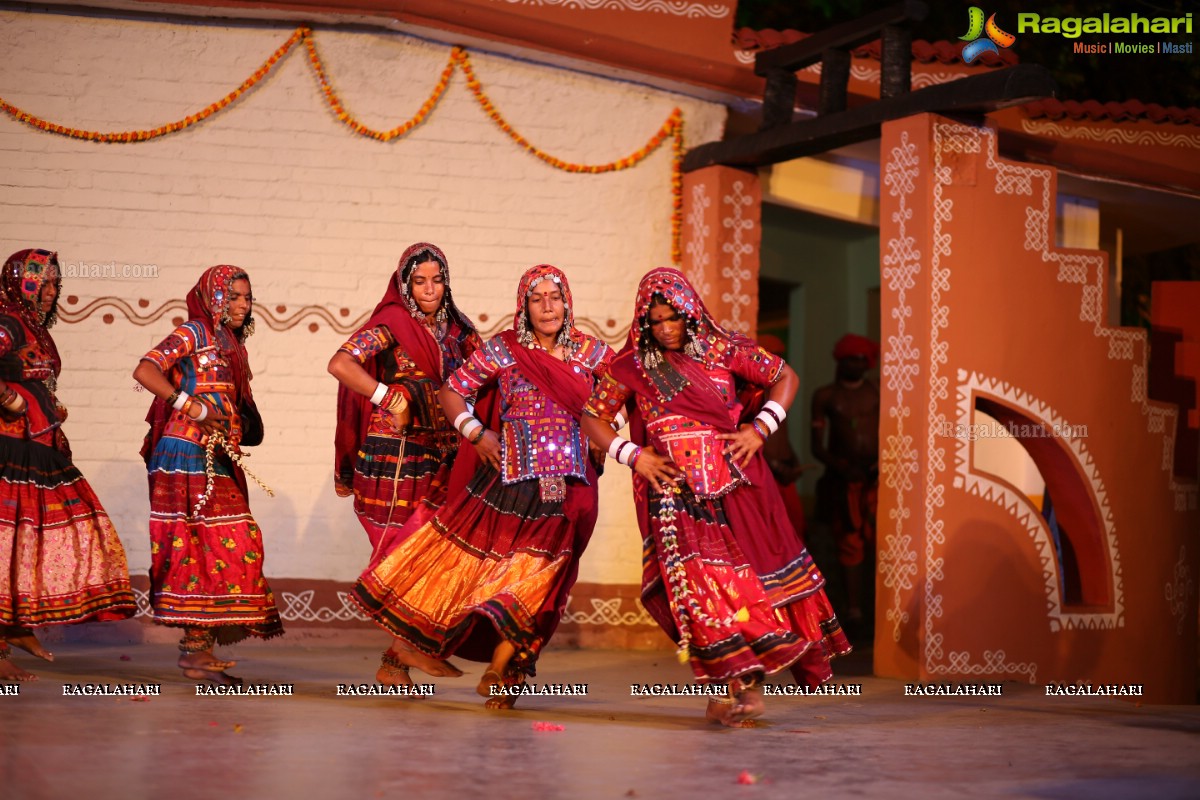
665 375
25 274
565 385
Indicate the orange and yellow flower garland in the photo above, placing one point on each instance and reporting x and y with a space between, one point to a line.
672 127
345 117
162 130
459 59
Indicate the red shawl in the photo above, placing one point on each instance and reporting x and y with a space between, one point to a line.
24 275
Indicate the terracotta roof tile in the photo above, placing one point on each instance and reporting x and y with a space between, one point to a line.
1095 110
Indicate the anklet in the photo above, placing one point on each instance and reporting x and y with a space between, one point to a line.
197 642
390 661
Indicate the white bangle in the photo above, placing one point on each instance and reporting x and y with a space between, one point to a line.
619 421
180 401
780 411
203 412
622 450
766 419
470 427
462 419
380 392
615 446
628 454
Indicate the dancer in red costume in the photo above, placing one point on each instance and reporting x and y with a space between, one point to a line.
394 448
60 558
206 557
487 577
724 573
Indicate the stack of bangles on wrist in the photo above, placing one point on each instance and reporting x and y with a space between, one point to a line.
9 401
391 400
769 419
471 429
182 401
624 451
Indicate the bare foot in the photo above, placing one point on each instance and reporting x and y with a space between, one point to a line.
720 712
427 664
213 676
749 704
392 672
502 702
203 661
489 679
11 672
29 643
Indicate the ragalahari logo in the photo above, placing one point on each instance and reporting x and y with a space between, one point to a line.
976 27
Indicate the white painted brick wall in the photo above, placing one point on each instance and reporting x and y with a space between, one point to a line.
318 216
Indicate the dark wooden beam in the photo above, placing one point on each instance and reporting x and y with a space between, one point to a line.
779 99
835 81
976 94
846 36
895 76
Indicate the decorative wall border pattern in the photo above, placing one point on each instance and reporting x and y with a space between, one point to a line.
297 607
607 611
735 203
898 459
1087 269
280 318
1178 592
1028 517
678 8
948 138
1120 136
700 231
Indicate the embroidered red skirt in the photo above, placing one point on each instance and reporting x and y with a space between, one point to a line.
60 557
395 477
206 569
495 563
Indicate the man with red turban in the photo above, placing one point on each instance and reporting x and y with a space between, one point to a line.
845 438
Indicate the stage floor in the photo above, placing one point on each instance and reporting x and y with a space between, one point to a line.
316 744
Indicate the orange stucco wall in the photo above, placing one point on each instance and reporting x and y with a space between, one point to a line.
980 307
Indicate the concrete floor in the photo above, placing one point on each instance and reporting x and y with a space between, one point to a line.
318 745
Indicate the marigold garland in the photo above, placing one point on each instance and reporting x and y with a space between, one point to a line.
459 59
346 117
125 137
672 127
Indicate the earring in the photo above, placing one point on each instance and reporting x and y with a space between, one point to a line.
524 334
